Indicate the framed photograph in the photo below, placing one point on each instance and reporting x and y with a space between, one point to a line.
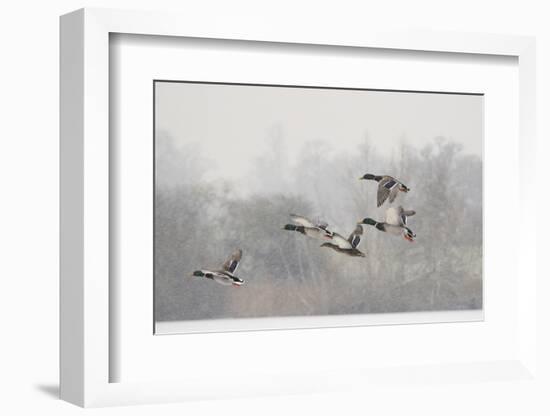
218 185
235 163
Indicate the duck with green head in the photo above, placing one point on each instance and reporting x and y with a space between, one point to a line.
395 223
347 246
388 186
226 275
314 229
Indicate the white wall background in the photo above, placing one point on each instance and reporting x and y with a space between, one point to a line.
29 204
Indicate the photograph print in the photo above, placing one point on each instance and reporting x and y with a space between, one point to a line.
276 201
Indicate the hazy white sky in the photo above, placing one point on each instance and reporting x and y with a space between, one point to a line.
231 123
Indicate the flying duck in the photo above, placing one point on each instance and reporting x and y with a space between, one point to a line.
388 186
225 276
318 230
349 246
396 223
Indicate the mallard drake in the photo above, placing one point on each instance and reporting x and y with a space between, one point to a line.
396 223
226 275
388 186
349 246
318 230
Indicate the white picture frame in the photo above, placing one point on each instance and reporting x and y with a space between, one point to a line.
86 334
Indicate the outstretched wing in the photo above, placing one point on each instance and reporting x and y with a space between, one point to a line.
405 214
232 262
300 220
388 186
355 237
394 192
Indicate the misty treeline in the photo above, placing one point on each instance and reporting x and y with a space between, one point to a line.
199 223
